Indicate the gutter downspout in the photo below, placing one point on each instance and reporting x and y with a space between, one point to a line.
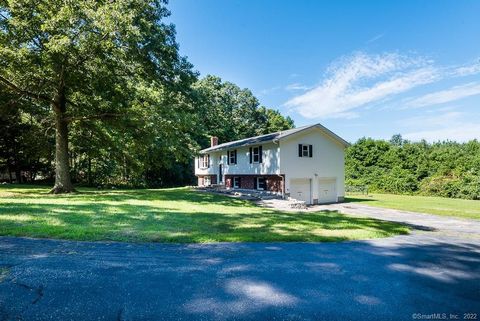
276 142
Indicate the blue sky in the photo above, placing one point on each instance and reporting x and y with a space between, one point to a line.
361 68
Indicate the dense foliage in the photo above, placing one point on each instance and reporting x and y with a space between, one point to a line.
447 169
95 92
92 95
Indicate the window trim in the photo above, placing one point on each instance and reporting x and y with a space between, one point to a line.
236 182
256 154
264 183
232 157
205 160
305 151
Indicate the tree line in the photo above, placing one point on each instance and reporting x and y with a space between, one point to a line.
447 169
92 95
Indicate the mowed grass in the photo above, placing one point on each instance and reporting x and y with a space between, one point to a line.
422 204
171 215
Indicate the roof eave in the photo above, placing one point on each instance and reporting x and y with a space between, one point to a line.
324 129
211 149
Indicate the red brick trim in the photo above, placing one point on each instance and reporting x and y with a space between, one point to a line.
274 183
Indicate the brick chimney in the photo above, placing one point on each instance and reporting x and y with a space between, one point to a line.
213 141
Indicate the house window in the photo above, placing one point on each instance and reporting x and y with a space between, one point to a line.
261 183
207 181
236 182
305 150
232 157
256 154
205 161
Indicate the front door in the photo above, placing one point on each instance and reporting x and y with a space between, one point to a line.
220 174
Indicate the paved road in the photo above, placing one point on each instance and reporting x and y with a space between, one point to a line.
386 279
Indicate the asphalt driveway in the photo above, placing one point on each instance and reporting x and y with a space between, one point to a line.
400 278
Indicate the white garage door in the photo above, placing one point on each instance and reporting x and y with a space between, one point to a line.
300 189
326 191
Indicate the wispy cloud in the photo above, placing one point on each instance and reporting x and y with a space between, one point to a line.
359 80
375 38
267 91
345 88
461 132
445 124
446 96
296 86
466 70
427 121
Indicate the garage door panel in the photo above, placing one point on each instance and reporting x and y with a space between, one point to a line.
327 191
300 189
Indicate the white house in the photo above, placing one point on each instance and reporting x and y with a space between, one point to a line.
305 163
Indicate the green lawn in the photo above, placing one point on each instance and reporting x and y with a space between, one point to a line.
170 215
423 204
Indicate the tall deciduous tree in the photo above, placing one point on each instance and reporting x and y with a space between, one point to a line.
230 112
86 60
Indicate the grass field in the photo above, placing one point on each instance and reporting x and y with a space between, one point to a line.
423 204
170 215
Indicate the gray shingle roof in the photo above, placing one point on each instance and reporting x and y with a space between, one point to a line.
270 137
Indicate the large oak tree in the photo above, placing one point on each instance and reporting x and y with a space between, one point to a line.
88 59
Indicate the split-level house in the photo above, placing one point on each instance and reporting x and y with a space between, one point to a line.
305 163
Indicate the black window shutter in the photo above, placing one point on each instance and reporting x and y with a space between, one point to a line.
228 157
310 150
239 182
235 153
260 154
254 183
250 155
299 150
208 160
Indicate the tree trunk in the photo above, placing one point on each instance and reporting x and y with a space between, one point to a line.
18 177
89 168
63 183
10 174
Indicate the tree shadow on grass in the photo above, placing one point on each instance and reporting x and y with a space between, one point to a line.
131 222
167 195
351 199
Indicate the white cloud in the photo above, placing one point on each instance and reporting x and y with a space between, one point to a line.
466 70
267 91
361 80
375 38
429 121
345 87
296 86
445 96
456 132
450 125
